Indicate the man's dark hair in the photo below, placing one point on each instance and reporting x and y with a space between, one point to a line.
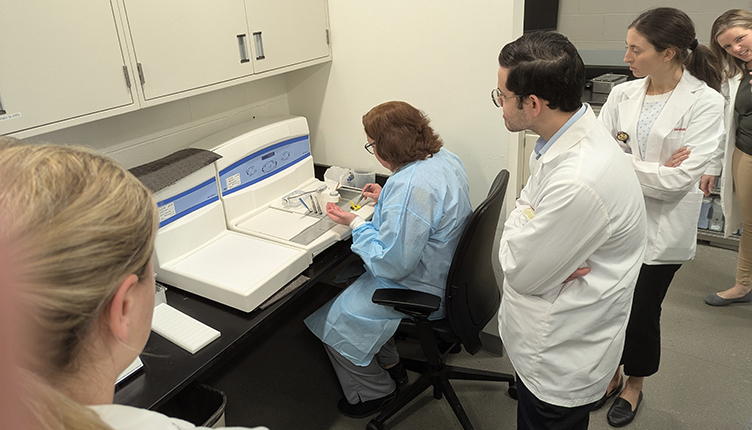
546 64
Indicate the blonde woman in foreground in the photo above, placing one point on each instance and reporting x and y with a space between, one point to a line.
85 230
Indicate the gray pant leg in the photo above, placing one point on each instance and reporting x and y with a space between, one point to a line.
360 383
388 354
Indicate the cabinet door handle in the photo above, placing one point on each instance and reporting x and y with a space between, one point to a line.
259 46
127 78
140 73
243 49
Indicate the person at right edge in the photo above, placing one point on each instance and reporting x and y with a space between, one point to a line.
732 43
571 249
669 124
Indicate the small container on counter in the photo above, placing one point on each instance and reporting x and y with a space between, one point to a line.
329 196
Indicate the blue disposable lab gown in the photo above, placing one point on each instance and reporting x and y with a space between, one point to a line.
410 242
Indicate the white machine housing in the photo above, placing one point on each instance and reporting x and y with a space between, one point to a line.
194 250
262 161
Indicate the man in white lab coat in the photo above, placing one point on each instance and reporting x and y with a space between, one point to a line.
573 246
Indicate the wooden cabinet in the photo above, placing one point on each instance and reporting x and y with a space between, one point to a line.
290 32
59 61
65 63
183 45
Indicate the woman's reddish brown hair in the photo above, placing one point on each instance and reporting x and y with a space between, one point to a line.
402 133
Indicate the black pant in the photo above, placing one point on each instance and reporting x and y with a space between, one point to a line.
642 346
535 414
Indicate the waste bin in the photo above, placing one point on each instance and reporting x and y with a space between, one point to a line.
199 404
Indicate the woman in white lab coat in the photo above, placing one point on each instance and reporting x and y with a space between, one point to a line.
732 44
83 228
669 124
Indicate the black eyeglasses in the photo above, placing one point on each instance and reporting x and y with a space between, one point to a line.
369 147
498 98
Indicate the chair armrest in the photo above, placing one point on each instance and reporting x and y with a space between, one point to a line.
410 302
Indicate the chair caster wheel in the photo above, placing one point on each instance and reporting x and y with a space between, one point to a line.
373 425
512 391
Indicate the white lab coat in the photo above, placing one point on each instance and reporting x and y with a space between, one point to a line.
121 417
692 117
565 339
720 163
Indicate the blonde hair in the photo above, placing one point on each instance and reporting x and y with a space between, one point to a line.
84 224
729 19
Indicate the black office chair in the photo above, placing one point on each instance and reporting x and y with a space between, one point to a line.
472 298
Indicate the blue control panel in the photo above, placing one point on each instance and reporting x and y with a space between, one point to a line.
178 206
263 164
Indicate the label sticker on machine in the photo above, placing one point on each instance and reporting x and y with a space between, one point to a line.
10 116
263 164
186 202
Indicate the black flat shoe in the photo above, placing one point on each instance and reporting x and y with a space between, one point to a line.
398 374
367 408
621 413
607 396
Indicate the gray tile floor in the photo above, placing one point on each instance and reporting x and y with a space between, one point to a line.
705 380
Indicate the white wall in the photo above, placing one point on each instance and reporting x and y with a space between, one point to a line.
438 55
602 24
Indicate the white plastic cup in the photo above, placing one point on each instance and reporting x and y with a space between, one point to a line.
329 196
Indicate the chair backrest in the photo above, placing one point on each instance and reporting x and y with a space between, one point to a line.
472 293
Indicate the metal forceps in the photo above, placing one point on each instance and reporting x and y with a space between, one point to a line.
298 194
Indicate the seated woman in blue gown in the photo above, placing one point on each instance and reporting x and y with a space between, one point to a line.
419 217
